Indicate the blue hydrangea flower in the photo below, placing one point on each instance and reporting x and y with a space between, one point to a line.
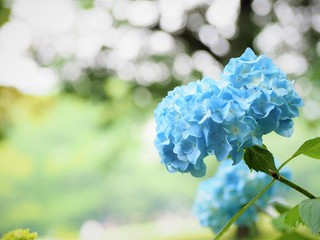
224 117
220 197
271 97
186 120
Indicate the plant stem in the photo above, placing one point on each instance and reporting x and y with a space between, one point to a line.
291 184
242 210
295 187
284 163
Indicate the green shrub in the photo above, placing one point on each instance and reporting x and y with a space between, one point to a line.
20 234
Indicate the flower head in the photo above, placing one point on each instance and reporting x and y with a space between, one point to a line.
224 117
272 101
220 197
184 120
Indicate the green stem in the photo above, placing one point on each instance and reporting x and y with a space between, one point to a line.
241 211
284 163
295 187
291 184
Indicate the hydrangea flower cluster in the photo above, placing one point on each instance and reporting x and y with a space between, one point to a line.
264 92
220 197
224 117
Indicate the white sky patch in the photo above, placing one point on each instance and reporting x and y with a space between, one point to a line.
161 42
205 63
15 37
56 29
311 110
316 22
130 44
148 72
92 230
120 8
126 71
262 7
182 65
172 9
223 14
221 48
143 13
292 63
25 75
28 20
195 21
58 15
208 35
17 68
71 71
148 135
291 36
173 23
285 13
269 39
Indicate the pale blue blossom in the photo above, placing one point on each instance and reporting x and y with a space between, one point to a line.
224 117
264 90
232 187
185 119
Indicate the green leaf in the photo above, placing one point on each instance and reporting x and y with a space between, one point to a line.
309 210
260 159
292 218
279 225
293 236
310 148
281 208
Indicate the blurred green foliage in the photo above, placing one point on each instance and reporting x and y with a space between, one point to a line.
87 152
4 11
66 160
20 234
85 4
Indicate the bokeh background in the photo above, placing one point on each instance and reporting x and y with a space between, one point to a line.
79 80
